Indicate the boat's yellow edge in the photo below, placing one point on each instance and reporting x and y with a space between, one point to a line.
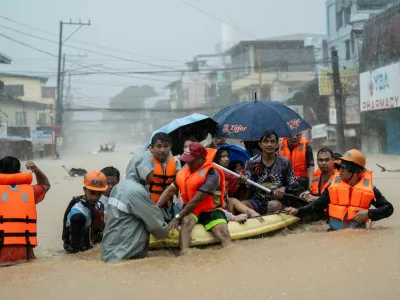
252 227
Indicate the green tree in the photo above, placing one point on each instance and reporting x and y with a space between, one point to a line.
132 97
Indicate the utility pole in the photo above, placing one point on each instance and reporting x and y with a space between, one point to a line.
337 88
59 102
259 74
62 78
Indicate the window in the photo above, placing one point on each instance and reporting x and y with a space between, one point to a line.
42 118
372 4
14 90
339 20
347 15
348 50
20 119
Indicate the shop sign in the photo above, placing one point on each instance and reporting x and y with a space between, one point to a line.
380 88
348 78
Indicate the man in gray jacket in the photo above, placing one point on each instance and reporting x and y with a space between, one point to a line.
132 216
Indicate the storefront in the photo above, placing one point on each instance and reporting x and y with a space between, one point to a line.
380 110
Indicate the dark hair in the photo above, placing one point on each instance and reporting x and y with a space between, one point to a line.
162 137
189 138
110 171
337 156
268 134
325 150
232 165
219 154
10 165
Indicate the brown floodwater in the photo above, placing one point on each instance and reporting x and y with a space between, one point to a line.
302 262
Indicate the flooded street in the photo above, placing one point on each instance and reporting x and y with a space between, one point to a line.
303 262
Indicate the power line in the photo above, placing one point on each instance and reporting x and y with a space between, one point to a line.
32 47
216 18
90 44
88 50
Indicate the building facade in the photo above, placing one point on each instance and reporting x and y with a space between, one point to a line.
379 83
272 68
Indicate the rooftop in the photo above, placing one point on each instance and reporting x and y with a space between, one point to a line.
11 75
295 37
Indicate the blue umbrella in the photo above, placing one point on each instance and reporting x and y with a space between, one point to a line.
236 153
197 125
248 120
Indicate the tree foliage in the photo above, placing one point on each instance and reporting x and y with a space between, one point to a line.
132 97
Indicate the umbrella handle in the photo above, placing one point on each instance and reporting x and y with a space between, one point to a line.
248 180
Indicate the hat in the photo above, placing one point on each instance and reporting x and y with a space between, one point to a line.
354 160
194 150
95 181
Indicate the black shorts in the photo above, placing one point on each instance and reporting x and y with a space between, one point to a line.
210 219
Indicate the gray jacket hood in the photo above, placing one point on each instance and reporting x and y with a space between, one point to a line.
141 164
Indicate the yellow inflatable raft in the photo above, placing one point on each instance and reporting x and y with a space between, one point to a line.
251 228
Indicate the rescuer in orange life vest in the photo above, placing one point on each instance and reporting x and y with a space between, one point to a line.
18 199
300 154
349 196
198 182
164 171
323 175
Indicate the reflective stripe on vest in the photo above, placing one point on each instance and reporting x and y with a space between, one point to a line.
18 215
189 183
346 200
297 157
161 181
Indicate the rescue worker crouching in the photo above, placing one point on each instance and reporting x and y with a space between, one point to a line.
349 196
83 222
18 217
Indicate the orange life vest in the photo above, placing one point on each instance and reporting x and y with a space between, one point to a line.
346 199
17 210
189 183
297 157
161 180
315 183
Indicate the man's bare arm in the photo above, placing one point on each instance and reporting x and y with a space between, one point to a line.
166 195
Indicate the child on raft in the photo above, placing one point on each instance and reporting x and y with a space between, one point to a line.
233 205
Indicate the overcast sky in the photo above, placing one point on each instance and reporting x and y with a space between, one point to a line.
164 32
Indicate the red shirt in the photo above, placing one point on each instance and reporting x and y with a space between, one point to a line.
16 254
233 184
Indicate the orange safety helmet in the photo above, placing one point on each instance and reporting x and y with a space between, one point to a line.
355 156
95 181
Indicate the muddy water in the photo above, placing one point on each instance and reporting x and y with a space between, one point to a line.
303 262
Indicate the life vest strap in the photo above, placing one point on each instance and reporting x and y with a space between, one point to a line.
164 176
156 192
18 234
17 220
158 184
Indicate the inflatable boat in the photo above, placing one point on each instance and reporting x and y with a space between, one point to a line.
251 228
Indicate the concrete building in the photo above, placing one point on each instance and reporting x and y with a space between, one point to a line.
379 88
345 20
21 99
286 63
